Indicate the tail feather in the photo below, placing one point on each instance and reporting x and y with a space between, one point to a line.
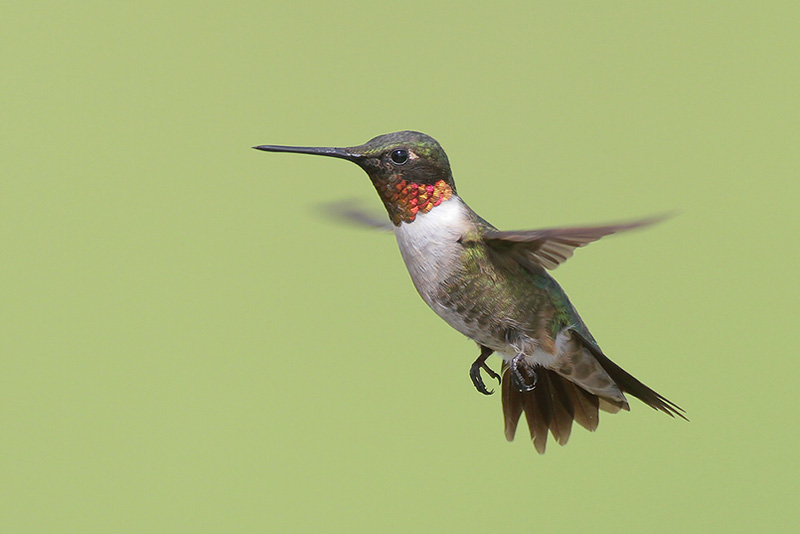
512 404
548 408
539 416
612 406
563 411
585 405
629 384
556 401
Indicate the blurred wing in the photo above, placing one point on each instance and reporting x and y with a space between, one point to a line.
348 211
552 246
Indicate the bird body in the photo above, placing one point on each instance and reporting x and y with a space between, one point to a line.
494 288
475 293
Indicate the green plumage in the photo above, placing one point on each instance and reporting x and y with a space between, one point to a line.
504 295
493 287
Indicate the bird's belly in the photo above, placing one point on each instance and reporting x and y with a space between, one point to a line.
491 336
472 315
435 259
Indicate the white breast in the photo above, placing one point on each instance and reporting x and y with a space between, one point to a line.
431 250
429 245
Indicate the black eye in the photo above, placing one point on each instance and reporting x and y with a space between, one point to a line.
399 156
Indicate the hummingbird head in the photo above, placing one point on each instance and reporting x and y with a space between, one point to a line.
409 170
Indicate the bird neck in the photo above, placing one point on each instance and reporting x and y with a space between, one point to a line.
404 199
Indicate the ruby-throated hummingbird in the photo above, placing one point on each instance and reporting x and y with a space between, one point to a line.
494 288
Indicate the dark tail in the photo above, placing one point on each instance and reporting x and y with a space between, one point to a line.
629 384
556 402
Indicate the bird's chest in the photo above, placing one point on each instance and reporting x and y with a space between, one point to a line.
430 247
435 257
459 283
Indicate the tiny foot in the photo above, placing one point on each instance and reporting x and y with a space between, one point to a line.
516 375
475 371
491 373
477 381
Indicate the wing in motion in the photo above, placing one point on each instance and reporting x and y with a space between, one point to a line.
349 211
552 246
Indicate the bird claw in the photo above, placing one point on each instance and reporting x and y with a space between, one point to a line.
475 371
477 381
516 375
492 373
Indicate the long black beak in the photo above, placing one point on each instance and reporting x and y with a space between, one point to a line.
342 153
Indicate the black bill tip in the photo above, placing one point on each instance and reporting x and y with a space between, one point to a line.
342 153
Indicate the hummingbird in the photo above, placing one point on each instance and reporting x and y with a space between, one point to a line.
494 287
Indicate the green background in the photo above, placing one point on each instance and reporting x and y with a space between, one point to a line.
187 346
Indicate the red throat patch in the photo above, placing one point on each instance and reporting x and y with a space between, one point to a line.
404 200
